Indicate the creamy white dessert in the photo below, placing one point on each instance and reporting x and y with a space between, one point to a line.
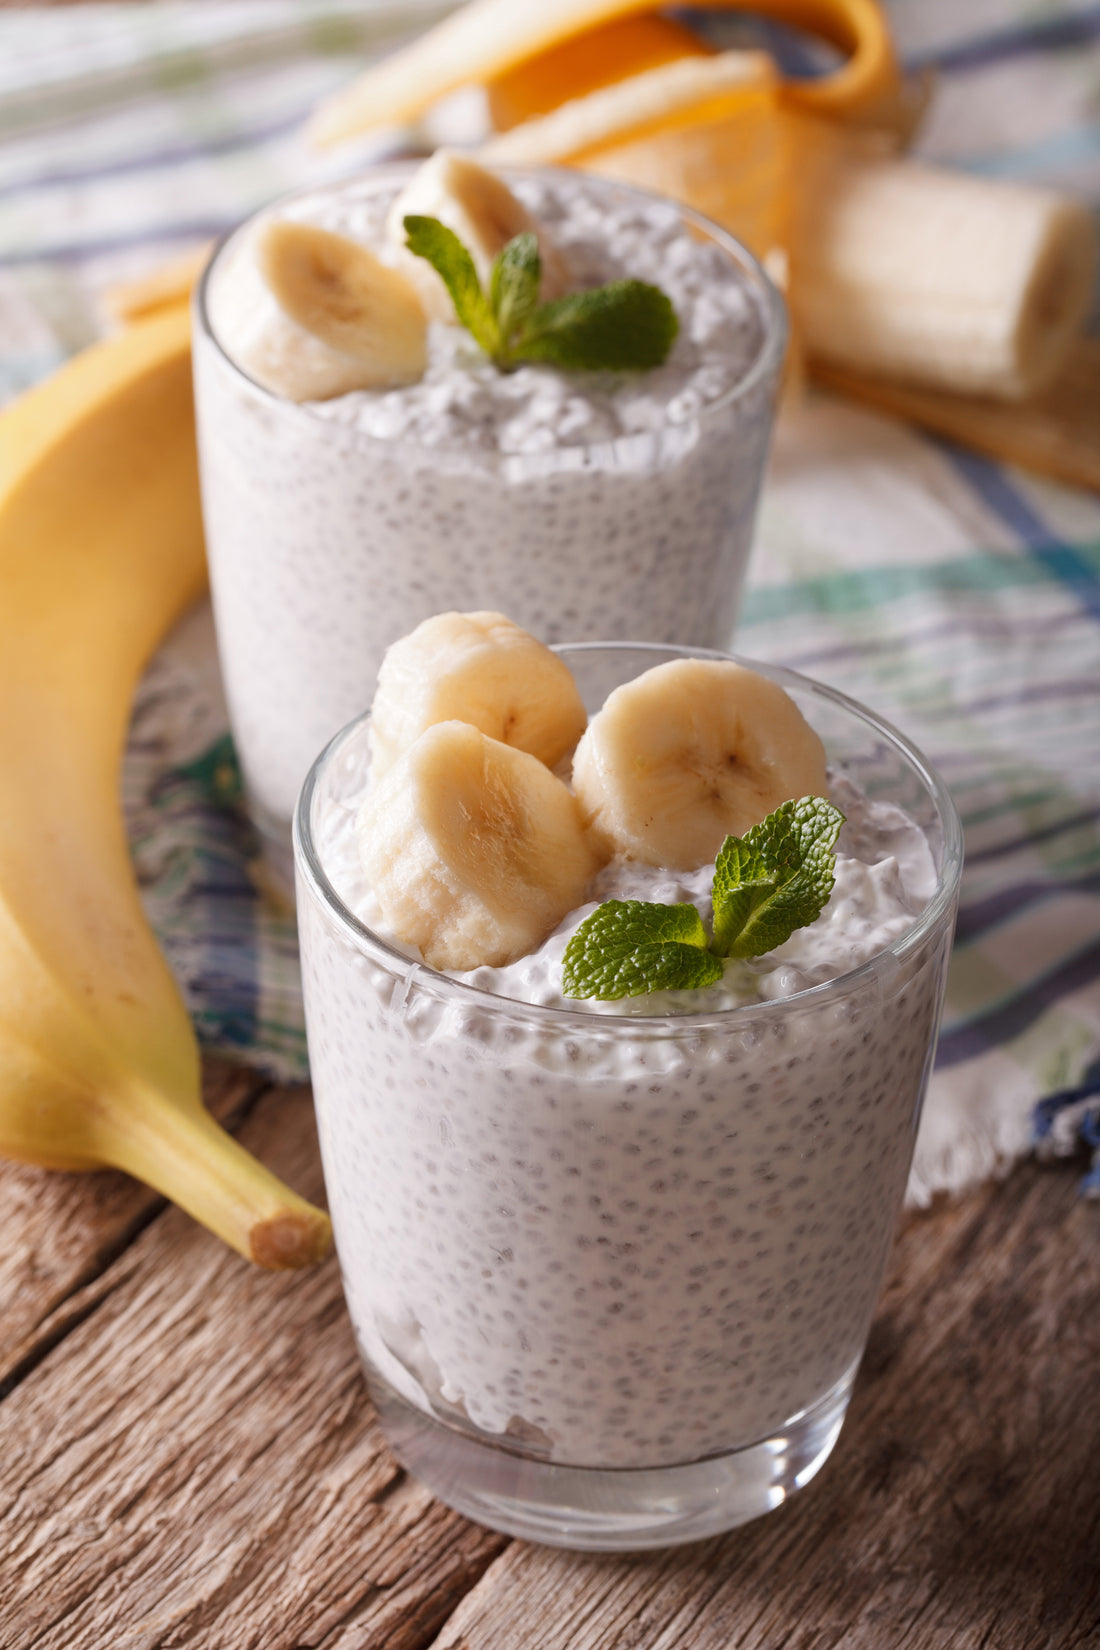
585 505
625 1234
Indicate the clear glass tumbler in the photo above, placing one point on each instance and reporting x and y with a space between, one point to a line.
611 1277
327 543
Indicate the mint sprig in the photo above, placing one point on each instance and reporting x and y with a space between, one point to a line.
430 239
773 880
625 326
627 947
776 878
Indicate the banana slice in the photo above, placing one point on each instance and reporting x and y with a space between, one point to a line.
688 753
484 214
309 314
478 668
474 850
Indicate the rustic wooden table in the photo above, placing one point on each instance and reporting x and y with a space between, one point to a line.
188 1456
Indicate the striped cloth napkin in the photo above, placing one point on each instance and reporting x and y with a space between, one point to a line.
960 598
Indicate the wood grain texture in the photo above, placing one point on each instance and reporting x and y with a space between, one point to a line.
61 1231
195 1463
960 1510
1057 433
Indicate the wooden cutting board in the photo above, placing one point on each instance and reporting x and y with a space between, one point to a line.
1057 434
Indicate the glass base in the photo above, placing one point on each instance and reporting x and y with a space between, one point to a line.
593 1509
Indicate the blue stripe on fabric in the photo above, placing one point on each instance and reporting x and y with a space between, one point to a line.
1018 843
1057 153
176 154
1021 40
201 229
201 799
1000 495
985 915
1009 1020
799 54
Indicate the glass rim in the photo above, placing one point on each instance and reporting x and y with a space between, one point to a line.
420 974
768 358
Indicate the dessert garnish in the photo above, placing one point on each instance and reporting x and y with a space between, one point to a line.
310 314
625 326
479 668
474 849
485 215
688 752
773 880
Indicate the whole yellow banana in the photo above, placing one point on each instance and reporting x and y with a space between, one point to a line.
100 550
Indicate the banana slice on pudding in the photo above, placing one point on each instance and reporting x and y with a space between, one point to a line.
474 850
310 314
485 215
689 753
478 668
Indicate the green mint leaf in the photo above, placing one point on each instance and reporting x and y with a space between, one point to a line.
626 326
776 878
514 285
627 947
430 239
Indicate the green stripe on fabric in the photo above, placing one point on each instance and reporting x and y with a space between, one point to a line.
336 36
1015 804
873 587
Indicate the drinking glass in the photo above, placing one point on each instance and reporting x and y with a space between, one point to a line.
326 543
611 1275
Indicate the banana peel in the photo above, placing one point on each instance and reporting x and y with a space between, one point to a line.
632 45
603 56
101 549
663 129
487 39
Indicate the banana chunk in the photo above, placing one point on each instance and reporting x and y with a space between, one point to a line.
689 753
485 215
478 668
474 850
310 314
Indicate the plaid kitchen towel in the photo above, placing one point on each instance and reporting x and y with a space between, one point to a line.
960 598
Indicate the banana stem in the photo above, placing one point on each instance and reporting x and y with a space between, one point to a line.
180 1150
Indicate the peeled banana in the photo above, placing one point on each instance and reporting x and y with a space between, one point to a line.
688 753
474 850
485 215
100 550
924 276
478 668
899 271
310 314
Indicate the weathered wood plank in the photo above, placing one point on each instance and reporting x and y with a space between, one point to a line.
197 1462
61 1231
197 1465
959 1510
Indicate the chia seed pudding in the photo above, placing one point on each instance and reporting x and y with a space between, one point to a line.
583 505
634 1234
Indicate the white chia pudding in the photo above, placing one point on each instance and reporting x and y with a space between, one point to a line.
583 505
627 1234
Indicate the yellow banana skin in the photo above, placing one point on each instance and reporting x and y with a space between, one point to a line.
101 549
